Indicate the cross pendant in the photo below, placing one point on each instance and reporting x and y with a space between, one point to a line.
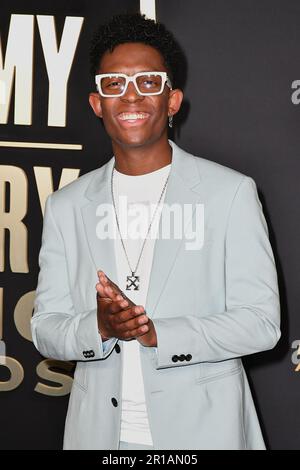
133 281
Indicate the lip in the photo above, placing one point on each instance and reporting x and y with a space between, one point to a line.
133 122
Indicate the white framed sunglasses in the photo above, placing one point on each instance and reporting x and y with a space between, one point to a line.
146 83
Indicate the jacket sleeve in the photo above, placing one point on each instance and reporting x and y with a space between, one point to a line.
59 332
251 320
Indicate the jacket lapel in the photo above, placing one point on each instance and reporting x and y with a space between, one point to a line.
183 177
99 194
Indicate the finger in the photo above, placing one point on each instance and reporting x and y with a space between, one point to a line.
100 289
132 324
103 280
106 281
120 317
111 284
101 275
127 298
118 304
103 293
119 291
110 292
135 332
115 308
126 315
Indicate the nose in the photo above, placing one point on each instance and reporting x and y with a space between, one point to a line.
131 94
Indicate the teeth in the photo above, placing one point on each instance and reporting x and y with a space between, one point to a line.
127 116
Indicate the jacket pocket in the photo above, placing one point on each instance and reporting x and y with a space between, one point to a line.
209 371
80 376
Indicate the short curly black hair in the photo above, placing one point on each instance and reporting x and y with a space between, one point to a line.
135 27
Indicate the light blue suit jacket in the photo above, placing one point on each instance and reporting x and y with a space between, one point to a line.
210 307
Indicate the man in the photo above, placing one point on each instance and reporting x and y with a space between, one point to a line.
157 326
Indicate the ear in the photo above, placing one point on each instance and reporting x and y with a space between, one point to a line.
95 102
175 100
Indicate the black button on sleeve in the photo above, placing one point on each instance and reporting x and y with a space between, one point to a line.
114 401
175 358
188 357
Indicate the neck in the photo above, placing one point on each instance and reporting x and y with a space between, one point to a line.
141 160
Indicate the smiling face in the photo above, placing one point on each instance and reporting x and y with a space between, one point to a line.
133 120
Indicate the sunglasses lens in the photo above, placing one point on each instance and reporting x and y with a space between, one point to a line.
112 85
146 84
149 83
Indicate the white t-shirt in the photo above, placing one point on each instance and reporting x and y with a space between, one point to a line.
141 191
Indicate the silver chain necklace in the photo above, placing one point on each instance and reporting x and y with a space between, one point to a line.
133 281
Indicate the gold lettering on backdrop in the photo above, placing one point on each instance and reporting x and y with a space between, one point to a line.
40 145
44 181
18 206
58 62
17 64
12 219
16 71
23 314
62 369
16 374
44 371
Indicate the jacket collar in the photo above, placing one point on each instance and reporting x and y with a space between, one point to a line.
183 166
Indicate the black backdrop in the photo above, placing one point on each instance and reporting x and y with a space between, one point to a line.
30 419
240 110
